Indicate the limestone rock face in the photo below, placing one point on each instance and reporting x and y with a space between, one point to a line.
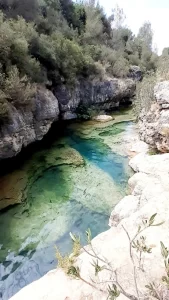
149 195
161 92
104 95
31 124
154 125
27 126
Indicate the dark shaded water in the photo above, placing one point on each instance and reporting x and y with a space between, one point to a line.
71 185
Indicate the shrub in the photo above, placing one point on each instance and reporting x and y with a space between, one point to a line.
4 107
163 68
144 94
51 42
18 90
121 67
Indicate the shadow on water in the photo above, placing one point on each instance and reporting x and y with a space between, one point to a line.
56 131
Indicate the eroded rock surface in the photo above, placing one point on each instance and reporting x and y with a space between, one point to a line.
27 126
32 123
104 95
154 125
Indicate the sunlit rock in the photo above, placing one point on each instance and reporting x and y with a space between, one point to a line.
103 118
154 124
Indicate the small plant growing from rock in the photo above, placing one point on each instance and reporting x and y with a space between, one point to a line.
113 288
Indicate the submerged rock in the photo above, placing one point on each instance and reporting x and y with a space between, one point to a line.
13 188
150 195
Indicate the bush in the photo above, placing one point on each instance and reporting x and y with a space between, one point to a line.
163 68
4 107
53 42
18 90
121 67
144 94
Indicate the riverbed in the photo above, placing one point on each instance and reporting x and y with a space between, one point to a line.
67 184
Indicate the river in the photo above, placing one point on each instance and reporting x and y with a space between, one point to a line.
69 183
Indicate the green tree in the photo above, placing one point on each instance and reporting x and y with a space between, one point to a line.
145 34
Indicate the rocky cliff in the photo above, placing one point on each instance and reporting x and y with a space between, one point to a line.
31 124
28 125
104 95
154 124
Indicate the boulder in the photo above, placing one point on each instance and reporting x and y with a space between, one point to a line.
135 73
103 118
161 93
123 209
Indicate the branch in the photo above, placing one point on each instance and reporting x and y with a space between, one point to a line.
93 286
131 297
132 259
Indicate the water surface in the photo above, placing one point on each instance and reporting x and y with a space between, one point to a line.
69 184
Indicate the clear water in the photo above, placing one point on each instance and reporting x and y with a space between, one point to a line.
72 184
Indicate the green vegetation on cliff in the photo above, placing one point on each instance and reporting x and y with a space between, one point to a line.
51 42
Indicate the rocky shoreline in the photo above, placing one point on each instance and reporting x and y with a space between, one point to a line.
30 124
149 195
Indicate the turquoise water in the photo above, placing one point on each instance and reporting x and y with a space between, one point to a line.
72 185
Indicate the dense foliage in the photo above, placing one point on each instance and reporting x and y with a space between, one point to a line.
59 41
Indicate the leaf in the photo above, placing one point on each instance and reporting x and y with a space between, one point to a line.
89 235
73 237
158 224
147 286
151 221
139 228
73 271
164 250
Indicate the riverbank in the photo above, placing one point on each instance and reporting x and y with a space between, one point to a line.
69 183
149 195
